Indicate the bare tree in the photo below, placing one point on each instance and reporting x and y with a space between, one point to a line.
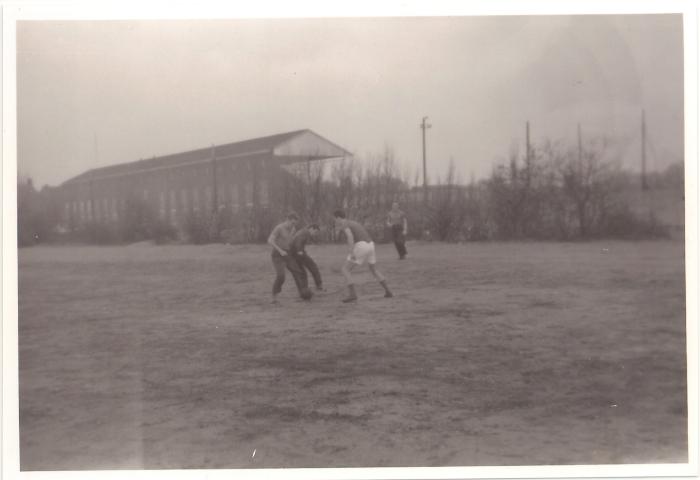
448 207
585 183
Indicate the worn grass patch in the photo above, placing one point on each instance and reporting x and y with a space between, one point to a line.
489 354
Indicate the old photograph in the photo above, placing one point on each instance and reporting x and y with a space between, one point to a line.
352 242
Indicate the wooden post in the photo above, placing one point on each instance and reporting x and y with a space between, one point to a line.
423 127
645 186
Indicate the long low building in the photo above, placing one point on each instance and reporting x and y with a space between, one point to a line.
236 175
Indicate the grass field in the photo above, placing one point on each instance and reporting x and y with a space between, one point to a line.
489 354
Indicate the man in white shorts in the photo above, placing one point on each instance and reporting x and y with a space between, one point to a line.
361 251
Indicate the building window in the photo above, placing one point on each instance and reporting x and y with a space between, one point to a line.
248 189
82 211
162 205
263 193
115 212
208 198
183 199
195 199
173 204
233 190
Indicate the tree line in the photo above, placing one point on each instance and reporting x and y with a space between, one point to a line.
552 192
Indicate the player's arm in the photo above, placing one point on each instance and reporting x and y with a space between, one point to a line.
299 243
271 240
351 239
405 225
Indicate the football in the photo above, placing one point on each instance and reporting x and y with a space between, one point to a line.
306 294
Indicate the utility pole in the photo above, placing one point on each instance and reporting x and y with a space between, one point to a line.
424 125
644 154
527 153
579 143
527 143
580 152
214 193
308 200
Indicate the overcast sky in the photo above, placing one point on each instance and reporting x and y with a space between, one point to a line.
94 93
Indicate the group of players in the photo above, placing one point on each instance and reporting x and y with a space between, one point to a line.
288 243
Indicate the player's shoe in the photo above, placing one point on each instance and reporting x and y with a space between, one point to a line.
387 292
352 295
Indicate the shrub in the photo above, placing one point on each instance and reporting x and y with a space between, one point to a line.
100 233
197 229
623 223
162 232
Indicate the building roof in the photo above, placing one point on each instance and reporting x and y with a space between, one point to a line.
296 144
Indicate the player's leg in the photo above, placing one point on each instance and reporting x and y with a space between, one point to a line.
297 267
397 233
300 278
310 265
381 279
346 270
400 240
402 245
372 263
279 264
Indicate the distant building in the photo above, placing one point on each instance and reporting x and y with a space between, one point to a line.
235 176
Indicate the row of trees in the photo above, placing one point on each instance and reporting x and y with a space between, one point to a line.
551 192
564 193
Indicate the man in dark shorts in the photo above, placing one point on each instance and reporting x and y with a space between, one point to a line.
361 250
298 251
280 239
396 219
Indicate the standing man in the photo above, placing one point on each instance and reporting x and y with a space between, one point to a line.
396 219
280 239
361 249
298 251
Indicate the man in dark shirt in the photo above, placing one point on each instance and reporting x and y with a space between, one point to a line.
361 250
280 240
298 250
